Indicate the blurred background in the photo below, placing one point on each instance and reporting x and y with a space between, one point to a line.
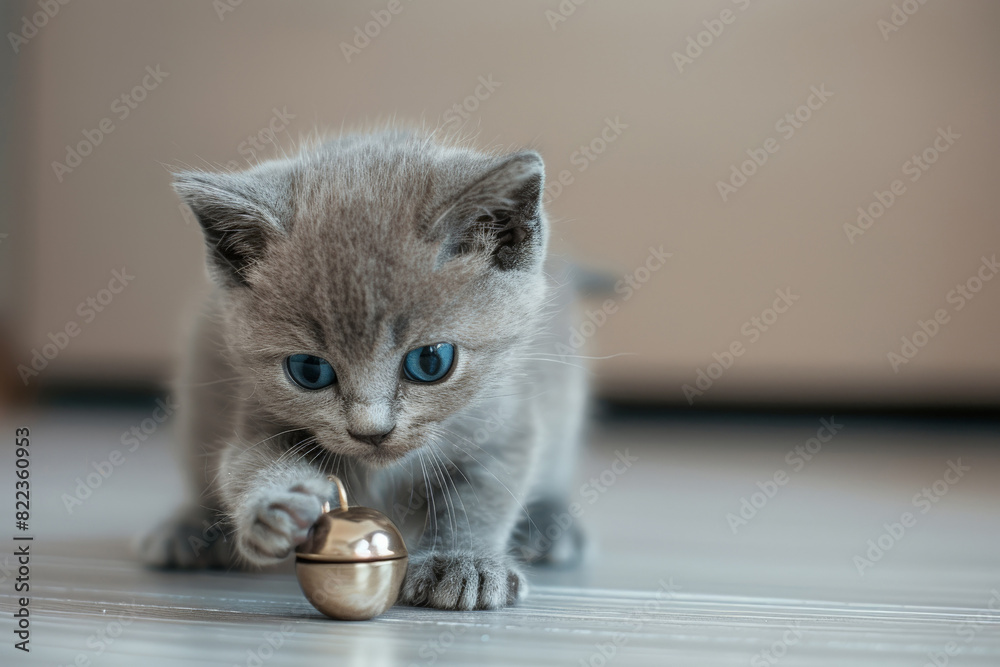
837 157
792 204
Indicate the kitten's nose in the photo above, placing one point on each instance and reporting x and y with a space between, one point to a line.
374 439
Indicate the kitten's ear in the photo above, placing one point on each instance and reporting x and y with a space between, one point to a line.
500 215
237 216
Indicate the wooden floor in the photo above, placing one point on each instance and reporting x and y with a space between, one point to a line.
666 580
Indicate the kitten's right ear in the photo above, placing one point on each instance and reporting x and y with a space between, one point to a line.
237 216
499 215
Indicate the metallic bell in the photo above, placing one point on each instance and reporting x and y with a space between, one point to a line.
352 566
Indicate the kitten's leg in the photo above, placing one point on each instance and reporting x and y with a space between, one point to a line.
549 535
462 561
207 390
192 538
272 495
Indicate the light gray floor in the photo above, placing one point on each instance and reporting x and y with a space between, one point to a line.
666 580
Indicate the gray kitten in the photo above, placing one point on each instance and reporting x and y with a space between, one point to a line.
381 312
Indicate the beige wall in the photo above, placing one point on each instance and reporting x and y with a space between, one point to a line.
655 184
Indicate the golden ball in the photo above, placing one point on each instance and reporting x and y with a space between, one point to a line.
352 566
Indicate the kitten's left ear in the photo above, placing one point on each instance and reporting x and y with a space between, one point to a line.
239 214
500 215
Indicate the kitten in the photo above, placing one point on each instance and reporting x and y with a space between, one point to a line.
380 312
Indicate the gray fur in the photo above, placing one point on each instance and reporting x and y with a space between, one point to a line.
359 250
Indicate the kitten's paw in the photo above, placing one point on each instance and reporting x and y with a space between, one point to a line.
192 538
277 520
462 580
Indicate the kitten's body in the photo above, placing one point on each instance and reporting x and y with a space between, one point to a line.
357 251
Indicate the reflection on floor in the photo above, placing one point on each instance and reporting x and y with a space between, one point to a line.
728 541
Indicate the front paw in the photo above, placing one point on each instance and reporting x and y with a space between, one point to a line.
277 519
462 580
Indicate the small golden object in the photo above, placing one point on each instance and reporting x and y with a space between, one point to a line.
352 566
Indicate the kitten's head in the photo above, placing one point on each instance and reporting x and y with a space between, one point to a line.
376 284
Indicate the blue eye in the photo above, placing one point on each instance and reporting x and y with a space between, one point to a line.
310 372
429 363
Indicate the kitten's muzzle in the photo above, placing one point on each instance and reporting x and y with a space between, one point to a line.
374 439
